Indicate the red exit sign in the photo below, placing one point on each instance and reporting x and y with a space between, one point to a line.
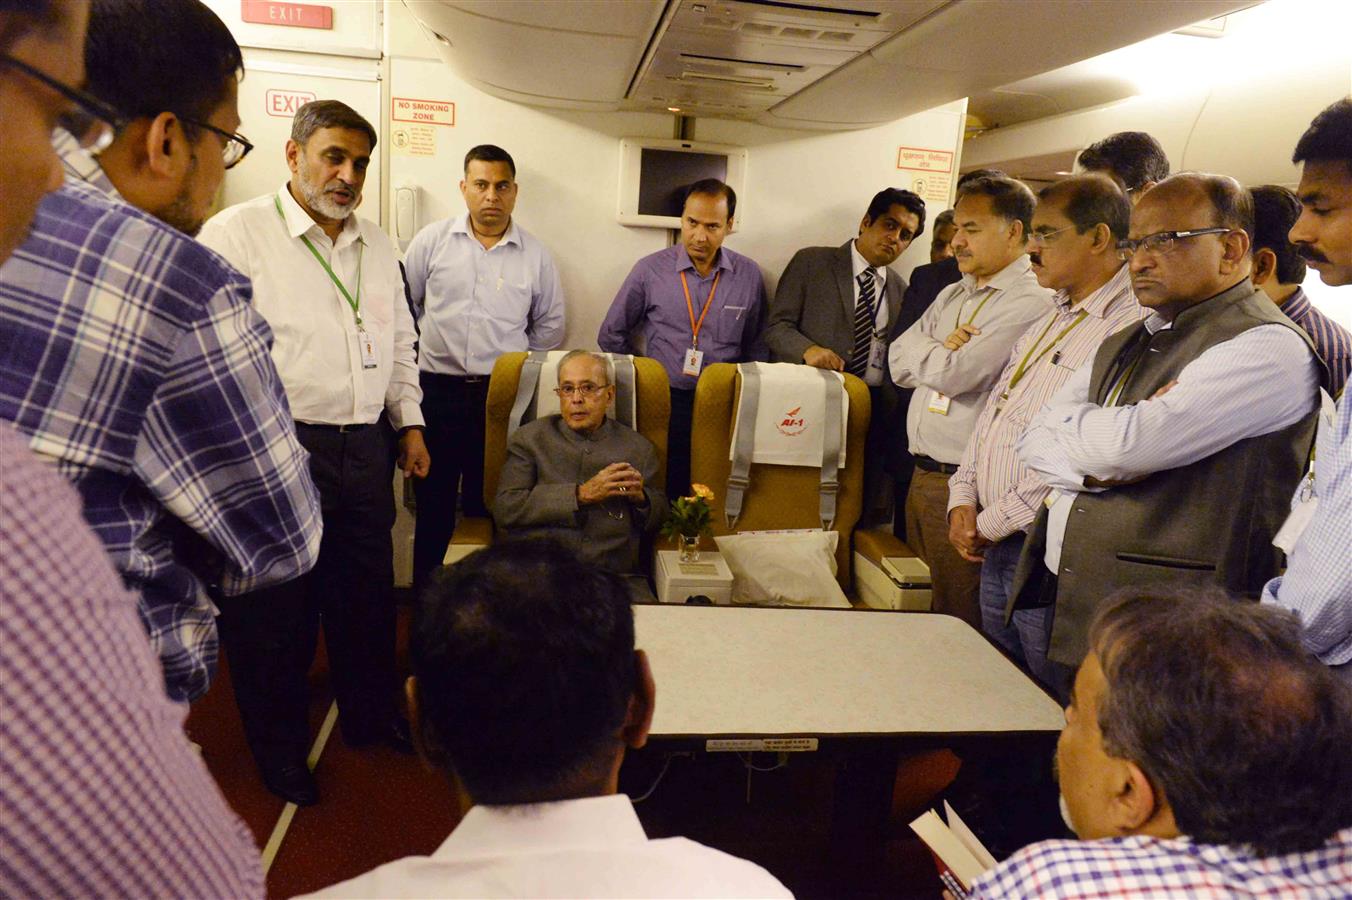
294 15
285 103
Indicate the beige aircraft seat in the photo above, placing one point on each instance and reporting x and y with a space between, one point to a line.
521 389
774 497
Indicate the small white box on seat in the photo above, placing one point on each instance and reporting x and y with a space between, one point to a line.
901 582
676 581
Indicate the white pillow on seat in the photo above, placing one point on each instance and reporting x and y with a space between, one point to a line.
785 569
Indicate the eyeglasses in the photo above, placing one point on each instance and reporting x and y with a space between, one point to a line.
586 390
1161 241
234 147
1044 237
93 123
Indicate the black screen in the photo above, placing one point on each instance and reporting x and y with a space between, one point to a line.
665 174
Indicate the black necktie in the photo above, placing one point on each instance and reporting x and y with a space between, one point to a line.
863 325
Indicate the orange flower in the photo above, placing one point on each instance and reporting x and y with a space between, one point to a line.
703 492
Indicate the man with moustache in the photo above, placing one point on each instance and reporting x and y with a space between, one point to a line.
993 497
132 357
1204 755
952 357
839 307
1175 451
482 286
329 285
689 306
1318 579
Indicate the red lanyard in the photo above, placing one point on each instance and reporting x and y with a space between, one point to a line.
690 307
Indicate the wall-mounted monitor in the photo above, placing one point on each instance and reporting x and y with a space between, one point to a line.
654 174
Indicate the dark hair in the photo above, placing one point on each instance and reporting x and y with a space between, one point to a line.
1091 200
1275 210
1132 157
714 188
146 57
944 218
1329 137
978 173
490 153
1230 200
28 14
1245 732
1010 199
319 114
887 198
525 663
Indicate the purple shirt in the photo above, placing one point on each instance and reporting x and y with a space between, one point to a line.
1332 342
101 795
651 304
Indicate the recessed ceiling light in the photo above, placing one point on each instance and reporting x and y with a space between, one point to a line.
673 109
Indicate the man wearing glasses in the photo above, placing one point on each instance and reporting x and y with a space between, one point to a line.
582 477
1175 452
133 357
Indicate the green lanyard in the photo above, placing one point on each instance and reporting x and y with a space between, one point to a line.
355 303
1025 364
957 319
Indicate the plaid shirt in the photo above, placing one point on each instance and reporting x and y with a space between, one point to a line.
130 355
1144 867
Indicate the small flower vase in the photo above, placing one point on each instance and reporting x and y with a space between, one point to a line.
689 548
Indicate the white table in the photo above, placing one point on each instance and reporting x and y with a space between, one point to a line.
757 672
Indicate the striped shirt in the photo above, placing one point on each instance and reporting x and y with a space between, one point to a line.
1318 580
1332 342
131 357
1147 868
991 476
101 794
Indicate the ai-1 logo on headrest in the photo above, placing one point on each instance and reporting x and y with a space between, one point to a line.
792 424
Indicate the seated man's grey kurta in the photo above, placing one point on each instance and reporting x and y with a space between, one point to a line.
537 490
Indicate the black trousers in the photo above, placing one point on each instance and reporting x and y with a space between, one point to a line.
902 463
678 443
270 635
454 409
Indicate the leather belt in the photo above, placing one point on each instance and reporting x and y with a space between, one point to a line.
933 465
341 429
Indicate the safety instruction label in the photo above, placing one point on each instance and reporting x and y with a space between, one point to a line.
756 745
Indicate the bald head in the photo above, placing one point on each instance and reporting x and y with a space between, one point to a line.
1185 270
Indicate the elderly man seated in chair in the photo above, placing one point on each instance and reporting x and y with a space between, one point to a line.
583 477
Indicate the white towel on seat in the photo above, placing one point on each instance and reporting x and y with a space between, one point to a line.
791 415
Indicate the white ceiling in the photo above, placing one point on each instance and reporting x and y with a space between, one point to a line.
823 64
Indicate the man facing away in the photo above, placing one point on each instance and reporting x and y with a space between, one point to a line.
1175 451
952 357
1318 579
690 305
582 477
1205 754
90 742
329 284
993 497
1279 269
1133 159
526 692
133 357
482 286
839 308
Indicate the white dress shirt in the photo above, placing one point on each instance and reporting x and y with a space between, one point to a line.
919 359
316 346
593 847
474 304
872 377
1263 380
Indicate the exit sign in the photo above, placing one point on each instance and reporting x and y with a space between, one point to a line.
293 15
285 103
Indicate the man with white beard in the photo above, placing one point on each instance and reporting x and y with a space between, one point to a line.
328 283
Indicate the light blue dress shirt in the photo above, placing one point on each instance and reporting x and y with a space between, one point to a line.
473 305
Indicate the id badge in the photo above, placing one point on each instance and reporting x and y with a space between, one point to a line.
1301 513
694 361
877 354
366 345
939 403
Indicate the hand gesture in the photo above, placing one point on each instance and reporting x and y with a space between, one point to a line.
413 457
615 480
822 358
963 334
963 534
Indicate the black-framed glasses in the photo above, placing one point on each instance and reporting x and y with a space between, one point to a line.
586 389
93 123
234 147
1161 241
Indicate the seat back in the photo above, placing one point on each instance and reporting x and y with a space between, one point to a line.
778 496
